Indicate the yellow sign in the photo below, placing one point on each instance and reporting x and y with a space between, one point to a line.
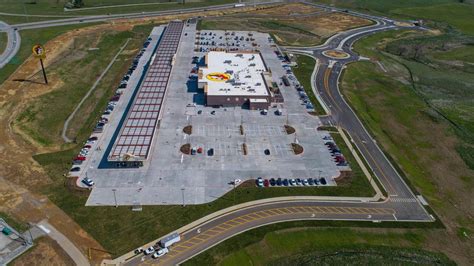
217 76
38 51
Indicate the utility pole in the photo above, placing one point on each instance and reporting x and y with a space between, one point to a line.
115 197
182 193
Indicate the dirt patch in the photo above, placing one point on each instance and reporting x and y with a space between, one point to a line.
186 149
188 130
297 149
45 252
293 9
289 129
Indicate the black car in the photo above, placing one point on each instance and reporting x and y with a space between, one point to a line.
210 152
278 182
285 182
267 152
92 139
272 182
199 112
310 181
75 169
323 181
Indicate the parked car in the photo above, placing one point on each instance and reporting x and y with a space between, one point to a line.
323 181
279 182
267 152
259 182
75 169
210 152
310 182
305 182
138 251
293 182
272 182
88 181
149 250
298 182
79 158
285 182
92 138
160 252
266 183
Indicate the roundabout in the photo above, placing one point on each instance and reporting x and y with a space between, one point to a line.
335 54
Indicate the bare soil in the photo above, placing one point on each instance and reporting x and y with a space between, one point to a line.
188 130
186 148
289 129
45 252
297 149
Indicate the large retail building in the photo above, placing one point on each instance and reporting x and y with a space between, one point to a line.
236 79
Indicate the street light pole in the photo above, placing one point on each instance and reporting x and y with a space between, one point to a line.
182 193
115 197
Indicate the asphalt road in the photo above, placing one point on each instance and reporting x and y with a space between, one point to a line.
13 44
401 204
14 40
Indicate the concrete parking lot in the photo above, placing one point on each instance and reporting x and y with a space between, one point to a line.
171 177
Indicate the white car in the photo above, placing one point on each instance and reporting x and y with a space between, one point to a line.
149 250
160 253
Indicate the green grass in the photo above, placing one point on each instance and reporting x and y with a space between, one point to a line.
303 73
465 54
458 15
3 41
18 226
55 8
30 38
38 121
272 245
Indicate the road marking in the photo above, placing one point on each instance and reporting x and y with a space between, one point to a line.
376 164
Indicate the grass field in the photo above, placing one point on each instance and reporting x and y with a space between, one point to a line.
3 41
273 245
464 54
303 73
30 38
37 120
452 12
286 27
20 227
56 8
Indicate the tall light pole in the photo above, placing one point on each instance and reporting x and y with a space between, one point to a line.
115 198
182 193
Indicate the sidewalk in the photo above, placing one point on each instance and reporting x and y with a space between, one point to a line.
73 252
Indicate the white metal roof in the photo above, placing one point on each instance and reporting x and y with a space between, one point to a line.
244 70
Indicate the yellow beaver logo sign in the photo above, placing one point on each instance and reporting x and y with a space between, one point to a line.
217 76
38 51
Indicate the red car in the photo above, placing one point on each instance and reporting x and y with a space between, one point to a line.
199 150
266 183
80 158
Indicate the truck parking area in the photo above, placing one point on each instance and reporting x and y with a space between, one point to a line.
234 142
